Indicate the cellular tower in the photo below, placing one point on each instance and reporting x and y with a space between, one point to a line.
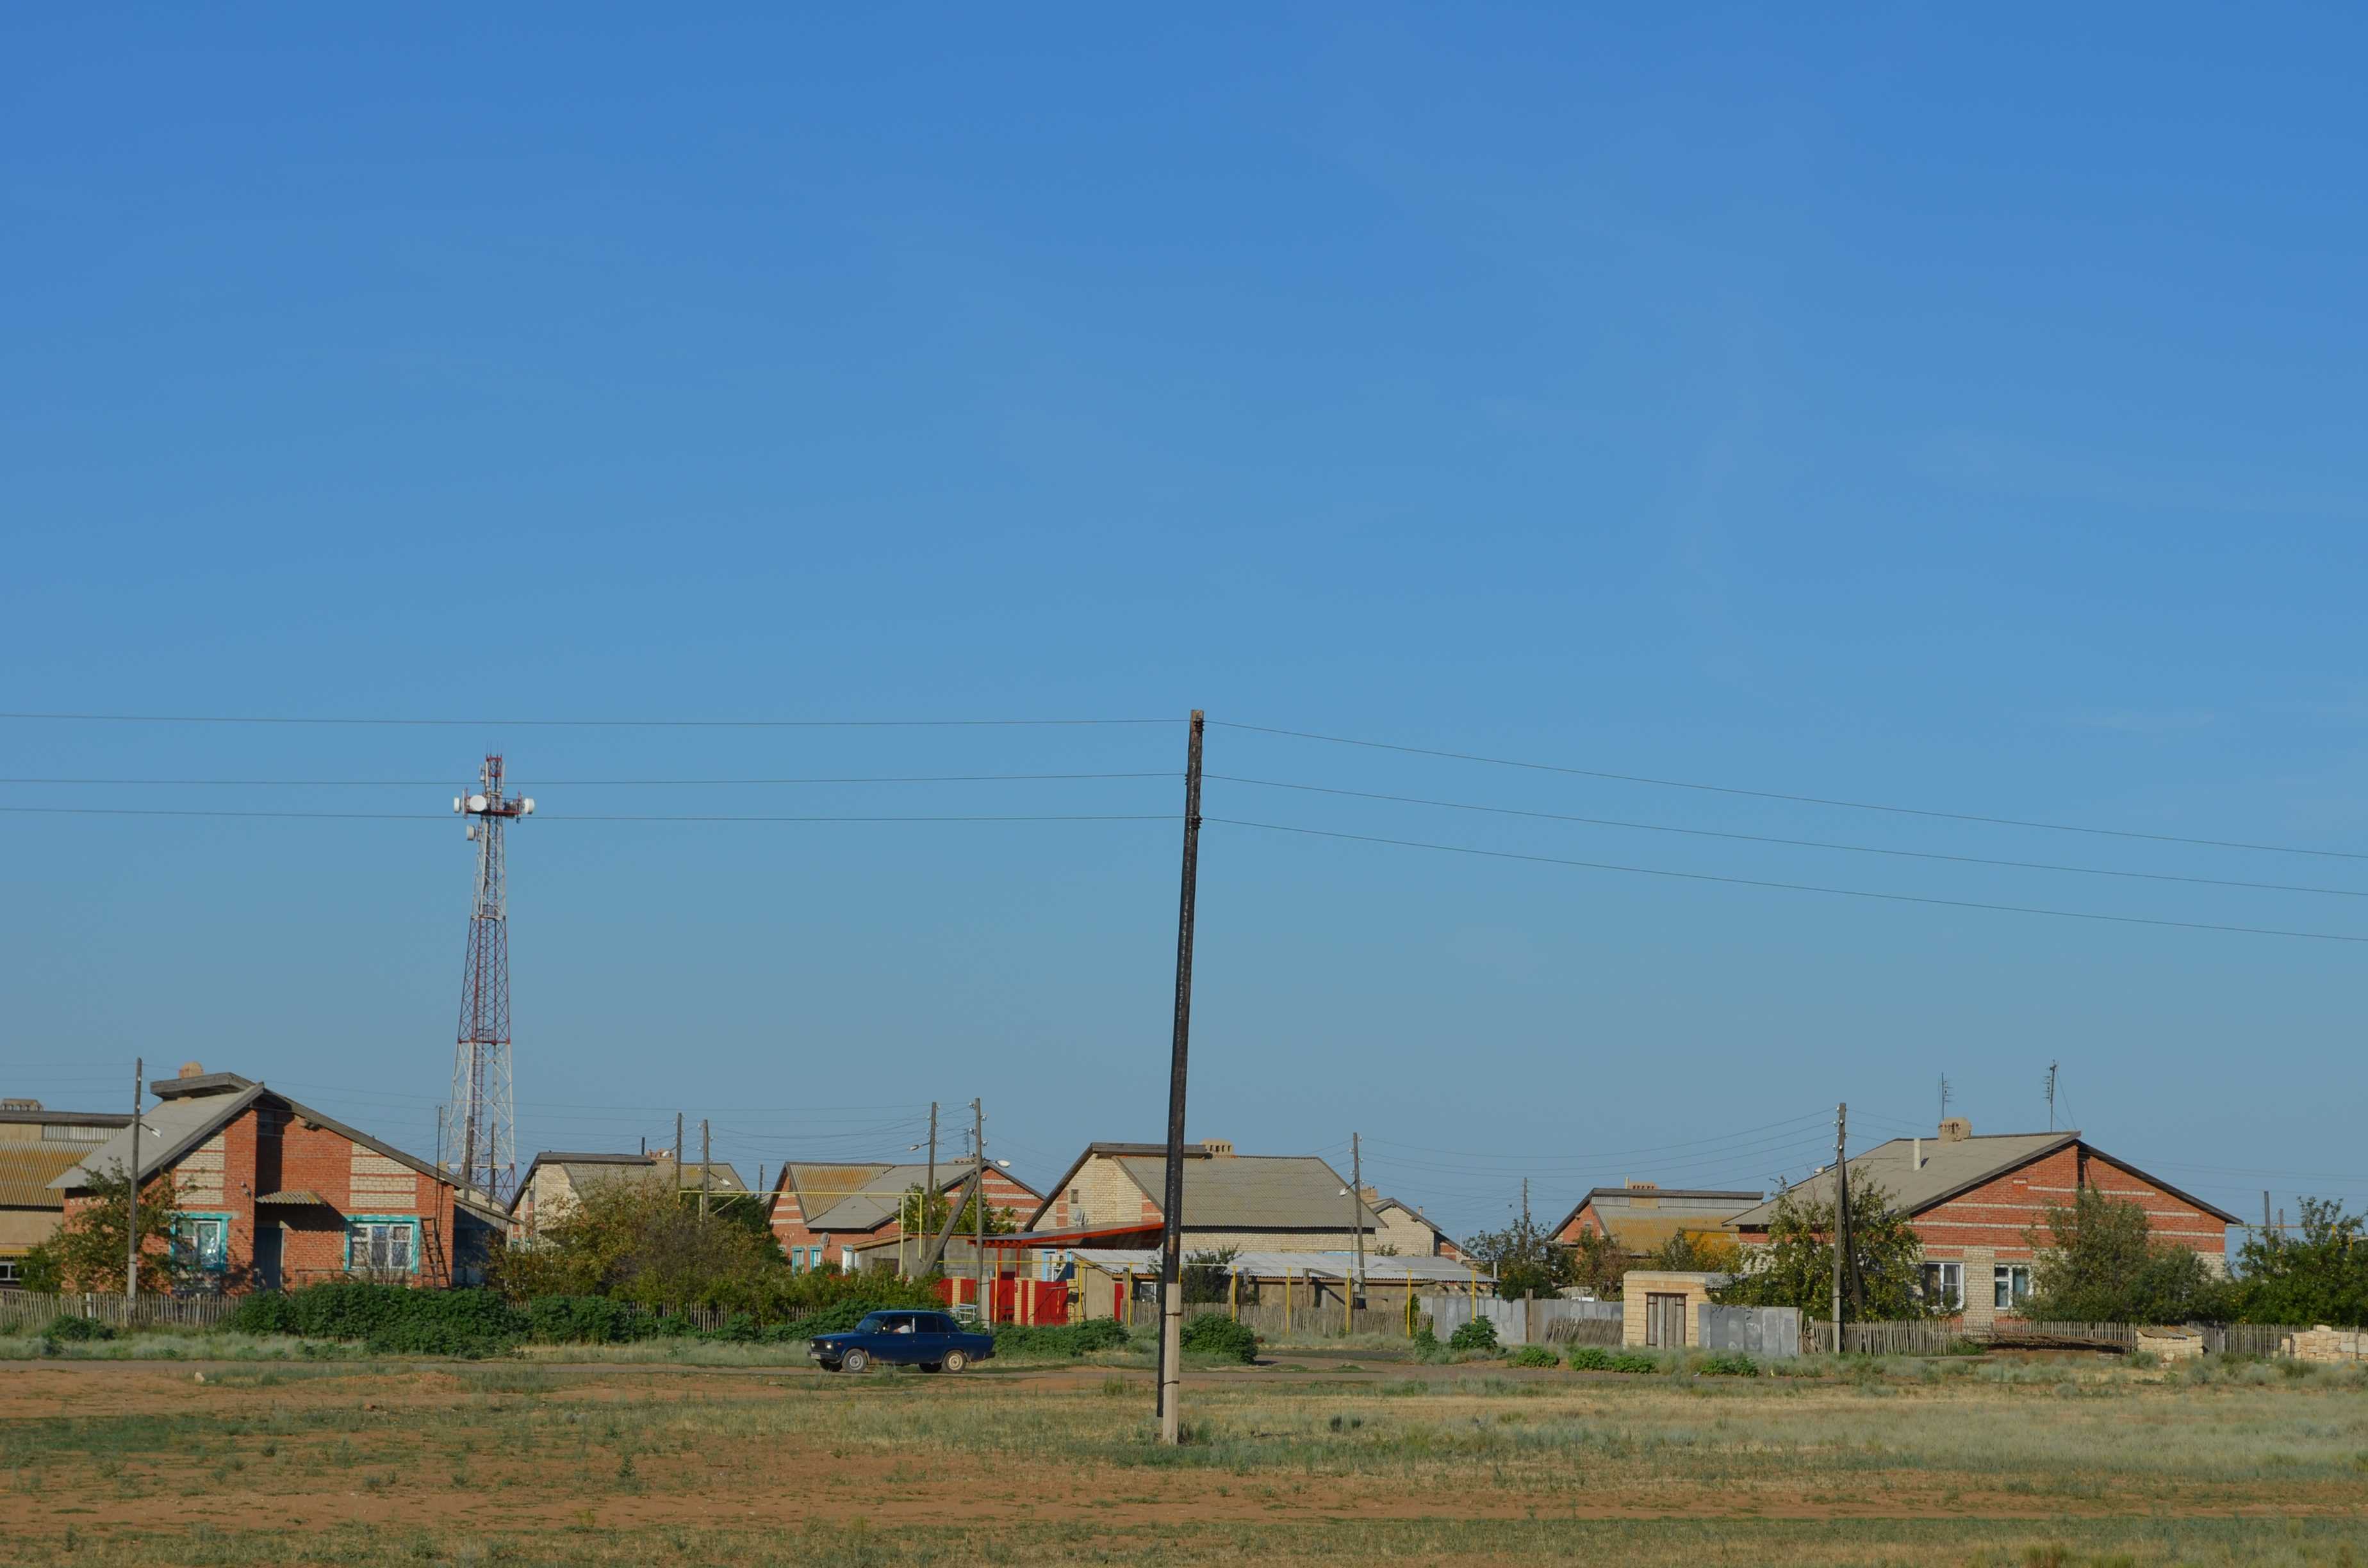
484 1126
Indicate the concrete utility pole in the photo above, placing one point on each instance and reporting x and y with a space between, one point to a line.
677 1154
1356 1221
929 1191
706 1166
1172 1219
131 1196
978 1213
1841 1213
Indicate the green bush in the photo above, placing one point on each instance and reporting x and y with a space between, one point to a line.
391 1319
1059 1339
1214 1334
64 1329
1729 1364
1589 1359
1534 1356
1479 1334
1630 1362
587 1320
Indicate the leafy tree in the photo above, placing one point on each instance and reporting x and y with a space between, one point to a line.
87 1252
2320 1276
1595 1262
1525 1256
925 1215
1697 1252
1796 1268
1208 1275
2101 1264
640 1242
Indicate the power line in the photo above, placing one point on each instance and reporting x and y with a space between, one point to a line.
1795 843
1608 1154
556 817
582 724
1798 887
1797 800
607 783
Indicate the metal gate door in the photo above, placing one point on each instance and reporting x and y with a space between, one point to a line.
1665 1319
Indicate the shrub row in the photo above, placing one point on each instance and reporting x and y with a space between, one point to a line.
1059 1339
396 1321
1214 1334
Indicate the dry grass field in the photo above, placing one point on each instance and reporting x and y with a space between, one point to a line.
105 1462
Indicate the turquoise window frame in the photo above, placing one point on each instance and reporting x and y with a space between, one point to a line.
221 1265
353 1222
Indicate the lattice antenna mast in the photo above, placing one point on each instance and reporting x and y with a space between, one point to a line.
484 1123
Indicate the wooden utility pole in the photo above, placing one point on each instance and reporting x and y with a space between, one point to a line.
929 1192
1841 1213
132 1195
706 1168
978 1213
1356 1220
677 1154
1171 1218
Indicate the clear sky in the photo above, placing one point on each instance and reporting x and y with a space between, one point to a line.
1959 412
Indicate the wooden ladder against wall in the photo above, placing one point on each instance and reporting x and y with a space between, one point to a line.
435 1263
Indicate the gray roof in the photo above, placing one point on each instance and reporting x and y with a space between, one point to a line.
1948 1169
1254 1192
875 1203
167 1133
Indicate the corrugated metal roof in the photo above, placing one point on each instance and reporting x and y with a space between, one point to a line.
27 1170
167 1133
1300 1265
1947 1168
1250 1192
874 1203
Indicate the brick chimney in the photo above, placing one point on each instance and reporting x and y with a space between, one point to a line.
190 1070
1956 1129
1216 1146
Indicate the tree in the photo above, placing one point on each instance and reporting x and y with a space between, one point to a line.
1525 1256
1697 1252
926 1216
1208 1275
1595 1262
88 1251
2319 1277
2100 1264
641 1242
1796 1268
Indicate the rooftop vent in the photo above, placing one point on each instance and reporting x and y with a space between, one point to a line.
1216 1146
1633 1187
23 1105
1956 1129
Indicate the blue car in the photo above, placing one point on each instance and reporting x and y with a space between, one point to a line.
931 1341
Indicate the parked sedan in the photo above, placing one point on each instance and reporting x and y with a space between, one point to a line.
931 1341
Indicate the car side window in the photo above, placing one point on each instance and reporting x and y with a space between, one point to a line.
903 1325
940 1323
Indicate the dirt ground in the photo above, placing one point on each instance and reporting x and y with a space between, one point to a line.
495 1453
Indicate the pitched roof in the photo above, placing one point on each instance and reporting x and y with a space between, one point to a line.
1954 1167
874 1203
27 1170
1666 1212
1255 1192
170 1131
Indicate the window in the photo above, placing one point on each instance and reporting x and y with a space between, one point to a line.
1944 1286
381 1247
2010 1285
202 1240
9 1275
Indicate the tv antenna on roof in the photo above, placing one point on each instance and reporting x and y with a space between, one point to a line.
2051 1097
1946 1095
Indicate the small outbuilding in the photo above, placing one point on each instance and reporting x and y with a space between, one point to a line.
1663 1309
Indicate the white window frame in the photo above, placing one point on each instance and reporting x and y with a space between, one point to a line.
1945 1283
370 1238
2010 1286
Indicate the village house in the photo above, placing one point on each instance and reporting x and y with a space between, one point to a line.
1111 1198
824 1213
1640 1218
37 1146
273 1194
1978 1203
554 1177
1404 1233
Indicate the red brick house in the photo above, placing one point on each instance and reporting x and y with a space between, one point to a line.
274 1194
1975 1202
821 1213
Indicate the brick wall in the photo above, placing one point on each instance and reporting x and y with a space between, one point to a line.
1106 1195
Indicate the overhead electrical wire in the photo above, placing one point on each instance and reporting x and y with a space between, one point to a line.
1797 800
1792 843
607 783
561 816
1796 887
582 724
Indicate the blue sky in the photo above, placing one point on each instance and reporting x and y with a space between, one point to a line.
1956 413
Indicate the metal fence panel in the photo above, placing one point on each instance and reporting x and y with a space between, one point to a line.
1770 1332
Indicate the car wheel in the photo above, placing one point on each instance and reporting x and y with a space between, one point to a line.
854 1361
956 1361
932 1366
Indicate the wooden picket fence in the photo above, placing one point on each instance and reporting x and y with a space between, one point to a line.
22 1310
